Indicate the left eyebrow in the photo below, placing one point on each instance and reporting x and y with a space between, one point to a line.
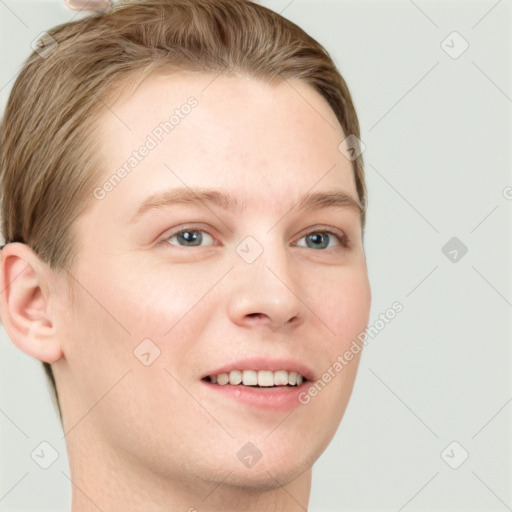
336 198
198 196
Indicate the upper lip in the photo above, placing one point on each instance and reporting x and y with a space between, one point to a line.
264 363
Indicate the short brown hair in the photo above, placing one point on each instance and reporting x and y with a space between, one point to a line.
48 159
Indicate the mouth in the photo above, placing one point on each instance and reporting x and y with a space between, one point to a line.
259 379
263 383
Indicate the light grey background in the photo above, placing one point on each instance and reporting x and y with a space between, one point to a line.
437 132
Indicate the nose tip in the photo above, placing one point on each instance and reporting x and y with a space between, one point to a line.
263 298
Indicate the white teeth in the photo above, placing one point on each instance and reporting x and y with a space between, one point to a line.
262 378
265 378
250 378
222 378
280 378
235 377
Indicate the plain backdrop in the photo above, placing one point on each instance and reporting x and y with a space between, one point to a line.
428 426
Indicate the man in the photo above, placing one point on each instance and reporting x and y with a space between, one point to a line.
183 205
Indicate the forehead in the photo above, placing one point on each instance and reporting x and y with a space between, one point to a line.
260 141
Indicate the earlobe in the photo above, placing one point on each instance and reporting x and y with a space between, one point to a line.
25 303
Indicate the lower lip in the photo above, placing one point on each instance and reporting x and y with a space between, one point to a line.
272 398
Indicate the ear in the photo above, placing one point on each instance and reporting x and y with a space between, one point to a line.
25 303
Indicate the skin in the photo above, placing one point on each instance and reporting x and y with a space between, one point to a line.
97 6
170 442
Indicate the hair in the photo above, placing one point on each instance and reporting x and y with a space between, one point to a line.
48 152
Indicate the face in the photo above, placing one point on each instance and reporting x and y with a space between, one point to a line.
230 267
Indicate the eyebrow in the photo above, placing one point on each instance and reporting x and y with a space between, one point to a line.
197 196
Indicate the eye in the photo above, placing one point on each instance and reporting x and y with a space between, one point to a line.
323 240
190 237
195 237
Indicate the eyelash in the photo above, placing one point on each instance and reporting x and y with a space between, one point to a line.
340 237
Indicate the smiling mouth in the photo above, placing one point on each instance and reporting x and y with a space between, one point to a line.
257 378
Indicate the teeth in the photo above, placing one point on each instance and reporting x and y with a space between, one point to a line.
250 378
222 378
262 378
280 378
235 377
265 378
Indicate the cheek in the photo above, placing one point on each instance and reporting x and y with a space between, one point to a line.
345 309
114 312
150 301
126 303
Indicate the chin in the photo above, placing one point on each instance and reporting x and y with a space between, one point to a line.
270 463
266 477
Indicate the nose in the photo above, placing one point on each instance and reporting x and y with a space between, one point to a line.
266 292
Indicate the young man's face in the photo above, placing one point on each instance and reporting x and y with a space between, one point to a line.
255 286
